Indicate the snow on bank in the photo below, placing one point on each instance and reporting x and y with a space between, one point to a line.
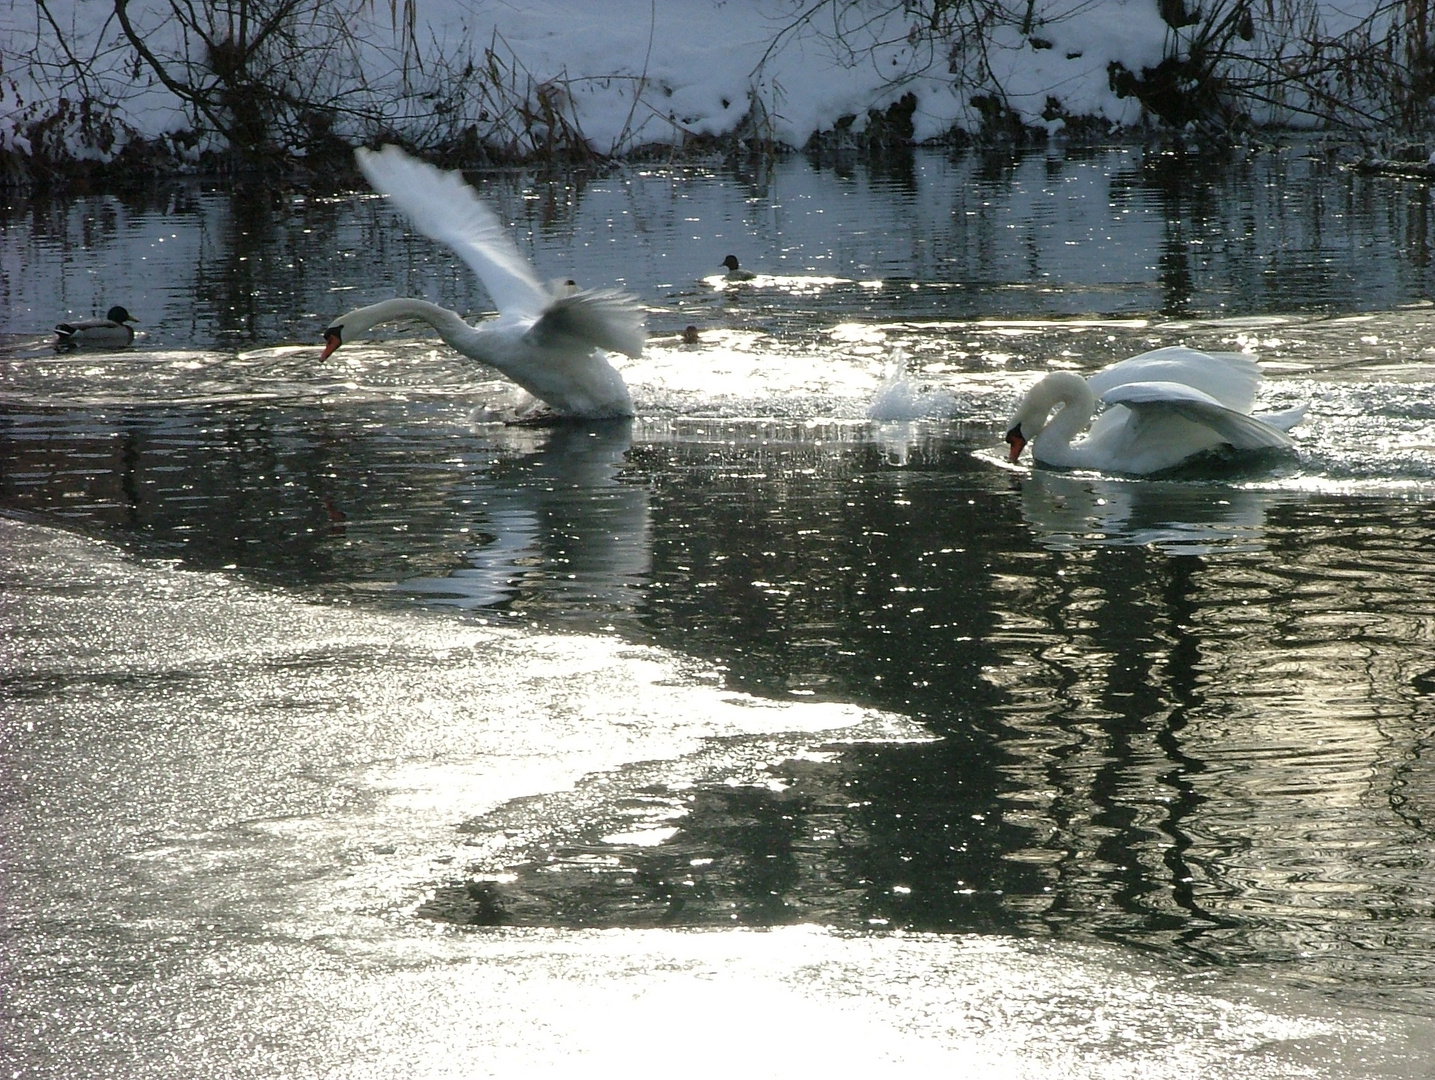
618 74
631 72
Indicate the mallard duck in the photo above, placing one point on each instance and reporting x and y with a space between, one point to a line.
111 332
736 272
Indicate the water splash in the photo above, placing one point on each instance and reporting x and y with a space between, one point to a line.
902 396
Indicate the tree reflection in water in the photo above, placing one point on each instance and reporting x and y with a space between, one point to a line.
1191 713
1205 747
1206 735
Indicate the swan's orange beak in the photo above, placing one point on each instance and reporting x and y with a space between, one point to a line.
1013 437
332 340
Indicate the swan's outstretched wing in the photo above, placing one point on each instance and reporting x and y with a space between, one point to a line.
592 317
444 208
1241 430
1230 378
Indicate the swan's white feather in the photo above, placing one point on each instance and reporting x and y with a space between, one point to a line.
1230 378
1286 418
1241 430
1155 392
1161 408
601 317
445 208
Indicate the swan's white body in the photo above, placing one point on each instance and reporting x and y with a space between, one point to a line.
1161 408
549 340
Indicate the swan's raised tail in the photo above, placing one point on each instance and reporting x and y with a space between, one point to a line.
1285 419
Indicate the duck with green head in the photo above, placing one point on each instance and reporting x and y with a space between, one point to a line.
111 332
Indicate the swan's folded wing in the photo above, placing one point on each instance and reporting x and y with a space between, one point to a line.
1231 378
604 318
1241 430
443 207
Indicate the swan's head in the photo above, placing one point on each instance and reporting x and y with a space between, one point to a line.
353 325
1017 441
1058 391
333 338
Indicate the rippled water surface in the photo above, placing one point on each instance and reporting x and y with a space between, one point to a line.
786 709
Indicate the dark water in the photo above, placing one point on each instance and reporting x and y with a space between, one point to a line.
1191 715
1113 233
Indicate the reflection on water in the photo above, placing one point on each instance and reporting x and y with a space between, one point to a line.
1191 715
1110 231
553 528
1179 517
519 521
1229 736
1203 732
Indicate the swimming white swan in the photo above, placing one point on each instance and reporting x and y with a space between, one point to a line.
1162 407
110 332
549 340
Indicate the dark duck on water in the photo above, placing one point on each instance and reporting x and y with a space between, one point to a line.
111 332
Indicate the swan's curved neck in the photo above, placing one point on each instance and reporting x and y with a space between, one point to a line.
1071 397
450 325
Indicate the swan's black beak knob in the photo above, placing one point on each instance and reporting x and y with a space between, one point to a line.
1016 441
333 338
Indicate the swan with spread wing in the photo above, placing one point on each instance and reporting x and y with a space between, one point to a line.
552 341
1161 408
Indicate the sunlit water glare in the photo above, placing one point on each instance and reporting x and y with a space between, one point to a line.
347 729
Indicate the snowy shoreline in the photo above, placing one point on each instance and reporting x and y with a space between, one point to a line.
134 86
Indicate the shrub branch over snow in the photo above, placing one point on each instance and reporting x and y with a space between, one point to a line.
255 83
